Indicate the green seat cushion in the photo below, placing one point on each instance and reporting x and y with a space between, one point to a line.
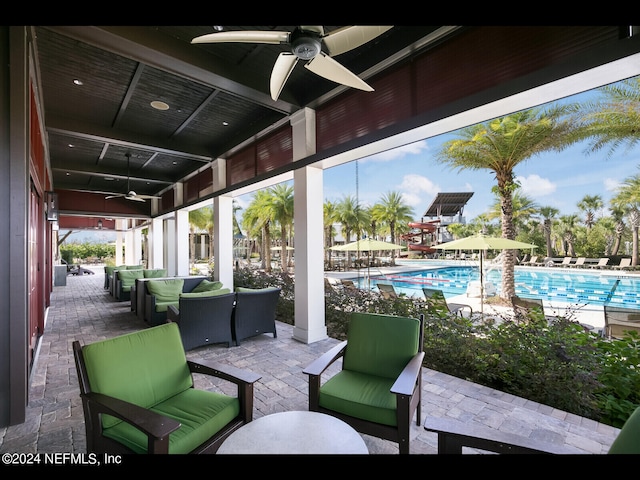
167 290
201 414
128 278
146 367
360 395
212 293
154 272
207 286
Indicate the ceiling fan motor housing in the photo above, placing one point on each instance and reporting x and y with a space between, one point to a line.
305 45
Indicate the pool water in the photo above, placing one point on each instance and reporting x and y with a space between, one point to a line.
559 285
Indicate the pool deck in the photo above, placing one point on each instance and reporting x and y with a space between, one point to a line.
588 314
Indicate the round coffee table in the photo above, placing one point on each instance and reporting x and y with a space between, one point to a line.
297 432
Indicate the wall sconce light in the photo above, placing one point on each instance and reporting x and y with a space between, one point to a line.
100 224
52 206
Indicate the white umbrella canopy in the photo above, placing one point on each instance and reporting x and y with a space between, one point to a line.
366 245
483 243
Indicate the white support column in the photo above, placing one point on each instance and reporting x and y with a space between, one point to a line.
223 240
130 254
121 225
309 325
309 285
156 243
137 246
182 242
168 253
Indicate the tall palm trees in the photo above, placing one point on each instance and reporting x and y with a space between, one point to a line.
393 211
500 145
628 200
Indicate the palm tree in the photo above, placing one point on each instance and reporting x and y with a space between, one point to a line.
565 227
628 199
548 213
281 203
393 211
524 208
589 205
198 220
330 216
613 119
617 214
500 145
257 223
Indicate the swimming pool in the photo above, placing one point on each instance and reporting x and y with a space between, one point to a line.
559 285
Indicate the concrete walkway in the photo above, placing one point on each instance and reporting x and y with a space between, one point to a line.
83 310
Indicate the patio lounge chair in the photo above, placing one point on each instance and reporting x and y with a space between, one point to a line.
348 284
436 302
618 320
453 435
387 291
624 263
566 261
531 262
601 263
579 262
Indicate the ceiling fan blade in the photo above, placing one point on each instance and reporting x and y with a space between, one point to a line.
283 67
134 198
112 196
244 36
327 67
347 38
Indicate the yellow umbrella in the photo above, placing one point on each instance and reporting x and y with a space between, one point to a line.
483 243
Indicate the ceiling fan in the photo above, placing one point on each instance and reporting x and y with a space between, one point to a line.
306 44
130 195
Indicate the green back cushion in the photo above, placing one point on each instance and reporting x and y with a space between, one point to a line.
109 270
144 367
168 290
128 277
155 272
245 289
134 267
381 345
212 293
628 440
207 286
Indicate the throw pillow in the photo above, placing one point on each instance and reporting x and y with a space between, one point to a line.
155 273
207 286
265 289
166 290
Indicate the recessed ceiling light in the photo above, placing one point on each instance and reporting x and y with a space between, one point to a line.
158 105
78 81
71 145
225 123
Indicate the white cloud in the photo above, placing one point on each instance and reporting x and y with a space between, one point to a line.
414 183
611 184
400 152
536 186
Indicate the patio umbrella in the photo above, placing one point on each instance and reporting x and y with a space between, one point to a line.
366 245
483 243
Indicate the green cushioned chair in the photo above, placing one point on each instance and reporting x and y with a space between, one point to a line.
378 390
138 396
125 279
255 312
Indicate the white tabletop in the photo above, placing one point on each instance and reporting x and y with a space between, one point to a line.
297 432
